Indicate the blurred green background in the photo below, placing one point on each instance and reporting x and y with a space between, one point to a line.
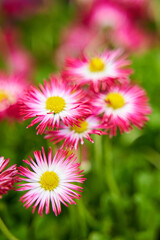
133 214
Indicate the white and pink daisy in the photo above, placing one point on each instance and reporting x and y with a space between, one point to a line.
105 68
8 177
73 135
54 102
51 180
12 88
122 107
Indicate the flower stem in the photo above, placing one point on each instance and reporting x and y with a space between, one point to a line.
80 153
109 172
98 155
6 231
114 190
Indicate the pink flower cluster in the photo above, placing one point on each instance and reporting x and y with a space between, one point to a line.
94 95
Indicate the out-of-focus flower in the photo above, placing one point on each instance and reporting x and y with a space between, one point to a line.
122 107
75 134
21 9
19 61
12 88
54 102
130 37
17 58
106 15
118 25
8 177
105 68
73 44
138 9
52 179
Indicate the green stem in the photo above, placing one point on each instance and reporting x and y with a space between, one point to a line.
109 172
98 155
73 222
115 193
80 153
82 218
6 231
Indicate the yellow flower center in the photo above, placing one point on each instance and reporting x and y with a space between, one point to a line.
55 104
96 65
115 100
49 180
3 96
83 125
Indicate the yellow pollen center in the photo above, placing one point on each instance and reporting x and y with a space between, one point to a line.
55 104
49 180
3 96
96 65
115 100
83 127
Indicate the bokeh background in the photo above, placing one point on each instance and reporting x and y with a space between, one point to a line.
35 38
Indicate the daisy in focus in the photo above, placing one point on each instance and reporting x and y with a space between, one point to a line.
7 177
11 90
105 68
51 180
54 102
122 107
73 135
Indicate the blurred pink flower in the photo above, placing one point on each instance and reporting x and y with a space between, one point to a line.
138 9
107 15
130 37
22 8
77 39
18 59
119 27
12 88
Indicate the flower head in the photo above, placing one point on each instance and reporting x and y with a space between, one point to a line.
74 134
11 90
53 103
50 180
7 177
101 69
122 107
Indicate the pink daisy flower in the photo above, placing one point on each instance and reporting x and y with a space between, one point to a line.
104 68
54 101
122 107
7 177
50 180
75 134
11 90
